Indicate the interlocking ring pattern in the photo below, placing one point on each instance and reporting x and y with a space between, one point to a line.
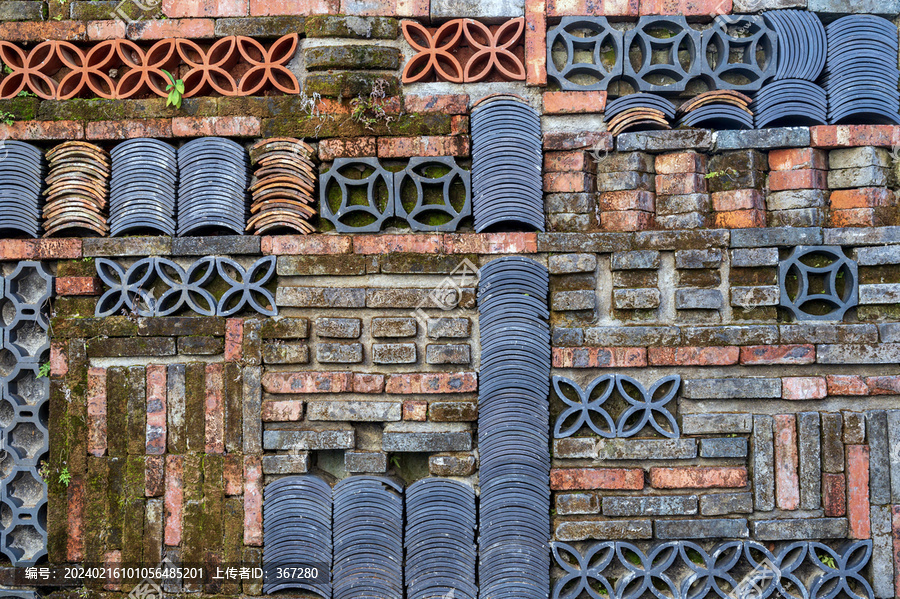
160 287
465 51
601 50
685 570
231 66
731 51
359 195
645 406
24 438
818 283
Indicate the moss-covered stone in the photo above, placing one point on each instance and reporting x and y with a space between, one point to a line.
321 265
233 523
262 106
194 407
888 273
116 406
76 384
880 313
349 84
351 57
402 263
95 513
75 307
81 109
21 109
753 276
703 278
352 27
764 313
261 27
573 282
76 268
104 10
56 491
76 326
213 497
115 497
323 127
135 380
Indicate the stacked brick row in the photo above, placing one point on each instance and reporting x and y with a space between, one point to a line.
682 201
626 191
861 181
570 174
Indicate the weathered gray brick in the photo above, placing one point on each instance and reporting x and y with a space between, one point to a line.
876 256
604 530
893 425
336 437
635 299
339 353
339 328
799 217
720 528
884 293
698 299
754 257
763 446
853 178
858 236
832 444
568 504
795 199
448 354
731 335
451 328
644 449
616 336
285 464
320 297
690 203
570 202
664 141
453 464
687 220
763 139
365 462
636 260
426 437
753 297
810 459
565 221
393 353
859 157
393 327
567 337
572 263
567 301
731 388
721 504
716 424
877 353
779 236
879 457
285 353
723 447
622 161
669 241
788 529
625 181
354 411
575 447
882 561
694 259
828 333
855 427
410 298
671 505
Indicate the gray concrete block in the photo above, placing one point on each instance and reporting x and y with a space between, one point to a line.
754 257
763 456
723 447
779 236
698 299
426 437
716 424
789 529
672 505
763 139
731 388
560 264
637 260
754 297
721 504
723 528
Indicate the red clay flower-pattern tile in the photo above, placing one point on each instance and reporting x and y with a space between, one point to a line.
231 66
465 51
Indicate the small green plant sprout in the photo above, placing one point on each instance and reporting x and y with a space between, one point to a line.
828 561
175 89
728 172
7 118
65 477
44 370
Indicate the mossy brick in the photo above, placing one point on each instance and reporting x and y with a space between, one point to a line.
573 282
80 109
252 558
635 279
154 518
57 502
350 84
136 405
632 336
76 383
115 497
352 27
251 347
233 393
404 263
21 10
75 306
99 10
263 106
878 313
131 347
201 345
116 410
194 407
133 533
751 277
351 57
179 325
408 125
22 109
452 411
193 551
879 274
668 241
192 478
76 268
698 278
261 27
730 388
285 328
679 505
95 510
213 498
233 537
321 265
111 326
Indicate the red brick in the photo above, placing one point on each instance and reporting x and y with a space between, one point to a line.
680 162
599 140
440 103
680 184
536 42
368 383
568 182
174 498
693 356
432 382
798 158
803 387
128 129
233 473
38 31
59 360
626 220
215 409
413 8
688 8
286 245
96 411
78 286
388 244
253 501
883 385
490 243
738 199
571 161
175 9
613 8
415 410
263 8
459 125
282 411
234 339
846 384
307 382
851 136
626 479
574 102
798 179
225 126
75 520
864 197
41 130
787 482
632 199
178 28
106 30
599 357
759 355
855 217
740 219
39 249
352 147
156 409
433 145
834 495
858 491
698 477
111 559
154 476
